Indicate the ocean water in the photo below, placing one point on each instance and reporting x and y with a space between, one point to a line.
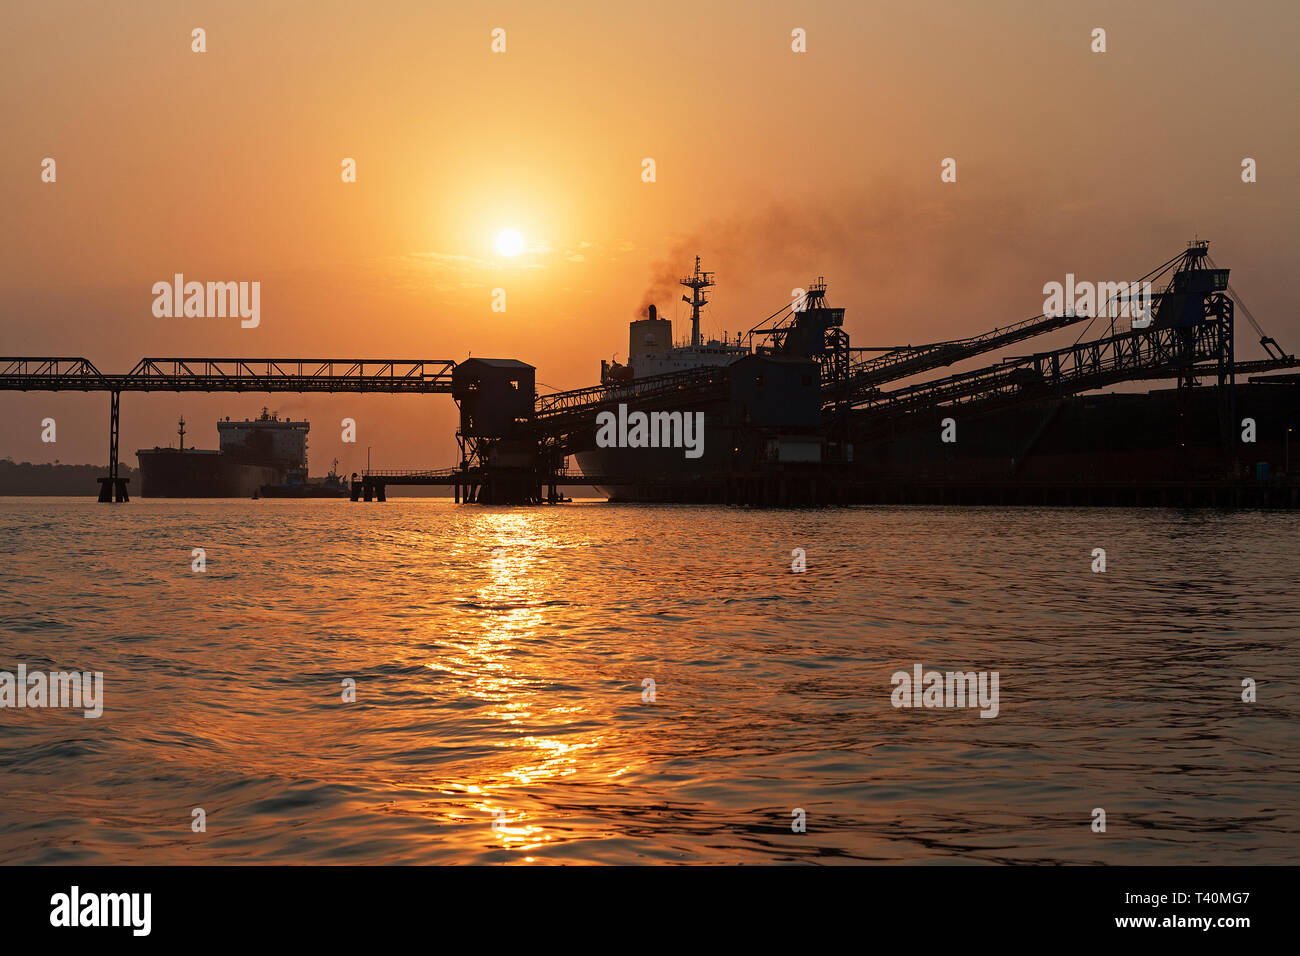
499 659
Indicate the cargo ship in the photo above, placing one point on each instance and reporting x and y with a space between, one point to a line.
804 418
651 353
251 454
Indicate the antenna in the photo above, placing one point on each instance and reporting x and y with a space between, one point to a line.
697 283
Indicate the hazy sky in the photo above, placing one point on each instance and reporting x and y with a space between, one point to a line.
774 166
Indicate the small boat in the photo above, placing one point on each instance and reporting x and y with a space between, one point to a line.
298 486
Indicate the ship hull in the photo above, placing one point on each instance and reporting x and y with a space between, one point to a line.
1092 449
661 474
169 473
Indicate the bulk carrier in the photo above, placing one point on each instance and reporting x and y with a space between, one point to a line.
251 454
781 389
795 415
651 351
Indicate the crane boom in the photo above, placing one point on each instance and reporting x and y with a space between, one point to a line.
864 376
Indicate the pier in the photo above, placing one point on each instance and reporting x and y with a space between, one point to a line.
804 386
218 375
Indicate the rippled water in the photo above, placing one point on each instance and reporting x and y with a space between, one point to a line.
499 657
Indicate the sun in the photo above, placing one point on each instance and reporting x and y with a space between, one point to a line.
509 242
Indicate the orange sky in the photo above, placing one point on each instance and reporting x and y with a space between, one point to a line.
773 166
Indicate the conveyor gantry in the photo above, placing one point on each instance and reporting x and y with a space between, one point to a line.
51 374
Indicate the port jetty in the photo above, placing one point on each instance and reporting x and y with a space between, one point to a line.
790 413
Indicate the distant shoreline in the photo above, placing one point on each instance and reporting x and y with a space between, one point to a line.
25 479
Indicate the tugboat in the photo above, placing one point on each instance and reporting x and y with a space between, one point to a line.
296 485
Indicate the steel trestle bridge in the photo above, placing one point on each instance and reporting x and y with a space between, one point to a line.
397 376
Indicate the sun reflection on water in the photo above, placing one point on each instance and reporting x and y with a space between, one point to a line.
508 611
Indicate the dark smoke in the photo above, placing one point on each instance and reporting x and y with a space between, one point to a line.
914 262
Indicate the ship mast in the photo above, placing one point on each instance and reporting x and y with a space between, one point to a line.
182 429
697 283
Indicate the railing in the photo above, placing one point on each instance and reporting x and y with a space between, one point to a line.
409 472
595 395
